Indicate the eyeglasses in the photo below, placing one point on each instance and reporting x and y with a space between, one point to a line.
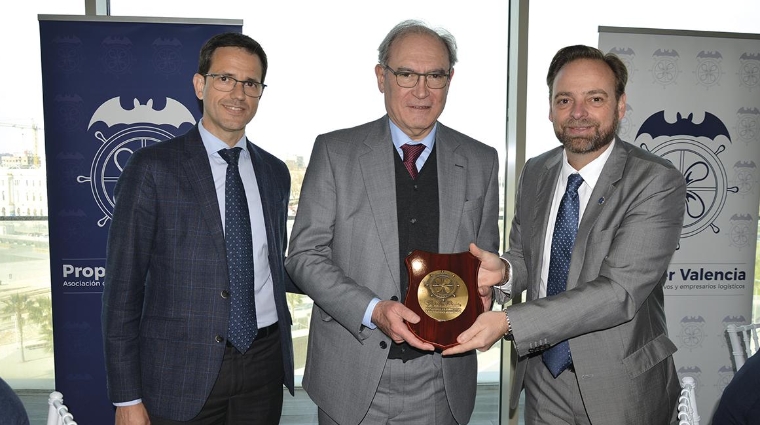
408 79
226 83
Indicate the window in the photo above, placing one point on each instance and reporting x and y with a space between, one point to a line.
25 311
331 44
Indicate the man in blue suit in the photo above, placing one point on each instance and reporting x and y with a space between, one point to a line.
167 315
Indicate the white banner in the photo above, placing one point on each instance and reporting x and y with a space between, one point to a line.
694 98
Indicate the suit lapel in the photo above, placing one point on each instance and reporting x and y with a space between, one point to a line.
452 181
601 197
201 181
379 176
267 195
545 185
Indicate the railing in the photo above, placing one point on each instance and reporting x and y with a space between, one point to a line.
59 414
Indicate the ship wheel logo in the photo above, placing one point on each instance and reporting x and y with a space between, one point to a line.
708 70
749 74
140 128
442 284
740 233
725 375
748 124
665 68
692 332
706 179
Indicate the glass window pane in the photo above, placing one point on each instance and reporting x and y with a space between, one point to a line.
321 78
26 350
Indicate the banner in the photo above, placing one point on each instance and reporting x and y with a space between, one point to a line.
111 86
694 99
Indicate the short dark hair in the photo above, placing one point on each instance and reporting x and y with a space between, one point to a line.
412 26
569 54
231 39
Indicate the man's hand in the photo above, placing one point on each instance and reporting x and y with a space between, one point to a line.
132 415
492 270
487 329
389 316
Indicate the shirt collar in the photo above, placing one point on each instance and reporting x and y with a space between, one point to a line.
213 144
399 138
591 171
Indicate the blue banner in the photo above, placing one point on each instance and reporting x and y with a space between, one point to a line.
111 86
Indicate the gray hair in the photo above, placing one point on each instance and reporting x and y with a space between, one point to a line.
412 26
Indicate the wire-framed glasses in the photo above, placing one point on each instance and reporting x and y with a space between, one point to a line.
226 83
409 79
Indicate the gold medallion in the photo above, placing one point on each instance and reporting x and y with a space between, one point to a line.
442 295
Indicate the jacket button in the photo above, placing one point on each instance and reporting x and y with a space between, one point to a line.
219 338
393 298
225 294
383 345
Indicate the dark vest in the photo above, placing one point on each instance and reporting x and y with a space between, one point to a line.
418 225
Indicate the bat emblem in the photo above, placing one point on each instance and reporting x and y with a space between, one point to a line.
656 125
111 113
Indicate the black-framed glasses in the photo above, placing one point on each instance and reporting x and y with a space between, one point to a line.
226 83
409 79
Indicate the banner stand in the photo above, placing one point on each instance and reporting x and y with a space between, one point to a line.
111 85
694 98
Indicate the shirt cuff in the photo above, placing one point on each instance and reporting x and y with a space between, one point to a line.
367 320
128 403
506 288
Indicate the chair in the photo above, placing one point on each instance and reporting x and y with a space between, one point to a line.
744 342
687 403
59 414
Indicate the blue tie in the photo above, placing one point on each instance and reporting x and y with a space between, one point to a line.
239 241
558 358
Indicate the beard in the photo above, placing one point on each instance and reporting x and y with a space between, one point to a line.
581 145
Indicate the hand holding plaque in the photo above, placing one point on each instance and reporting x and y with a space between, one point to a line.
443 291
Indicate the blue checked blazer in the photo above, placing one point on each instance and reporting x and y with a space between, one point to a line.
164 319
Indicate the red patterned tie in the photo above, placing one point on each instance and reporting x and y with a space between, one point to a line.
411 153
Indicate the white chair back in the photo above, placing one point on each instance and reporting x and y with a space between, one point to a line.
58 413
744 342
687 403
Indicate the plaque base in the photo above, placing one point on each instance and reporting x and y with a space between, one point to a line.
443 291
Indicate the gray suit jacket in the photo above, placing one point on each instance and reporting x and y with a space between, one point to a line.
344 251
164 320
612 312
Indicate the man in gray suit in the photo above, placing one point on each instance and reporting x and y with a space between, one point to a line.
362 210
175 282
607 319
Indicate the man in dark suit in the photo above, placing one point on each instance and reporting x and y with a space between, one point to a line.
740 402
11 406
603 314
361 212
193 334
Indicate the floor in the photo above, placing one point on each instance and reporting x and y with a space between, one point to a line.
298 410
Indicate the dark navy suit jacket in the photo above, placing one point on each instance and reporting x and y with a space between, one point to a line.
164 317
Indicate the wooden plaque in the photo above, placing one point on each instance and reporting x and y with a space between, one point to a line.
443 291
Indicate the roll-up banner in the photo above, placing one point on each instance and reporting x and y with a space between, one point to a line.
694 99
111 85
